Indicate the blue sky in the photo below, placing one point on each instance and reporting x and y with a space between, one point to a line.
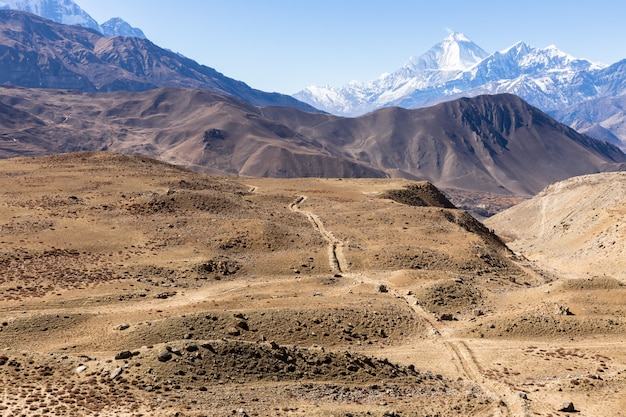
287 45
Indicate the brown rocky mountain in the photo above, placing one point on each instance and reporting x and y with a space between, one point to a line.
496 144
36 52
575 227
194 128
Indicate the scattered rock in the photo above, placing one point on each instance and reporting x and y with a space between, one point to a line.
165 355
381 288
222 266
81 368
563 310
208 346
123 326
116 373
522 395
567 407
447 317
233 331
125 354
243 325
165 295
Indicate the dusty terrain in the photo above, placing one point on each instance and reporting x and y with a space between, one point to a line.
129 287
576 227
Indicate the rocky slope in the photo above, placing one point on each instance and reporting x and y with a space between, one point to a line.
497 144
39 53
603 118
484 144
574 227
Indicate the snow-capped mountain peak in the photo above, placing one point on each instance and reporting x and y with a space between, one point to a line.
518 47
119 27
60 11
455 53
68 12
456 67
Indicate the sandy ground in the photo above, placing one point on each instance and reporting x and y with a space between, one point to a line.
130 287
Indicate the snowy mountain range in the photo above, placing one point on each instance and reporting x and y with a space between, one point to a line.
559 84
547 78
69 13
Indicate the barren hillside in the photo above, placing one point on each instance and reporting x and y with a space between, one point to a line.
481 145
576 227
129 287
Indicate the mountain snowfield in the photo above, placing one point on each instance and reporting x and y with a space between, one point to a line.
545 77
68 12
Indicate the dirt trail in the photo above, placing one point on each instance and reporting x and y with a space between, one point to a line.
336 259
469 367
511 403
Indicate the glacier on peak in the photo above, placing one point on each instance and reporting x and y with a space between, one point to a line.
545 77
67 12
456 53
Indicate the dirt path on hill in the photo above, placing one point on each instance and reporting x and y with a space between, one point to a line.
465 361
336 259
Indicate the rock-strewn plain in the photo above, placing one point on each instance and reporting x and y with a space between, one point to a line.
132 287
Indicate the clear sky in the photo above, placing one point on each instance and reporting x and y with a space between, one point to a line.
287 45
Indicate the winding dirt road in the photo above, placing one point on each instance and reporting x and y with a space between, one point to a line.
511 404
336 260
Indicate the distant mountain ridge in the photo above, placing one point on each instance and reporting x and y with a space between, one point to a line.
546 78
39 53
497 144
67 12
456 67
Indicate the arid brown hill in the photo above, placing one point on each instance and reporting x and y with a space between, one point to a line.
39 53
215 294
131 287
496 144
499 144
576 227
198 129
